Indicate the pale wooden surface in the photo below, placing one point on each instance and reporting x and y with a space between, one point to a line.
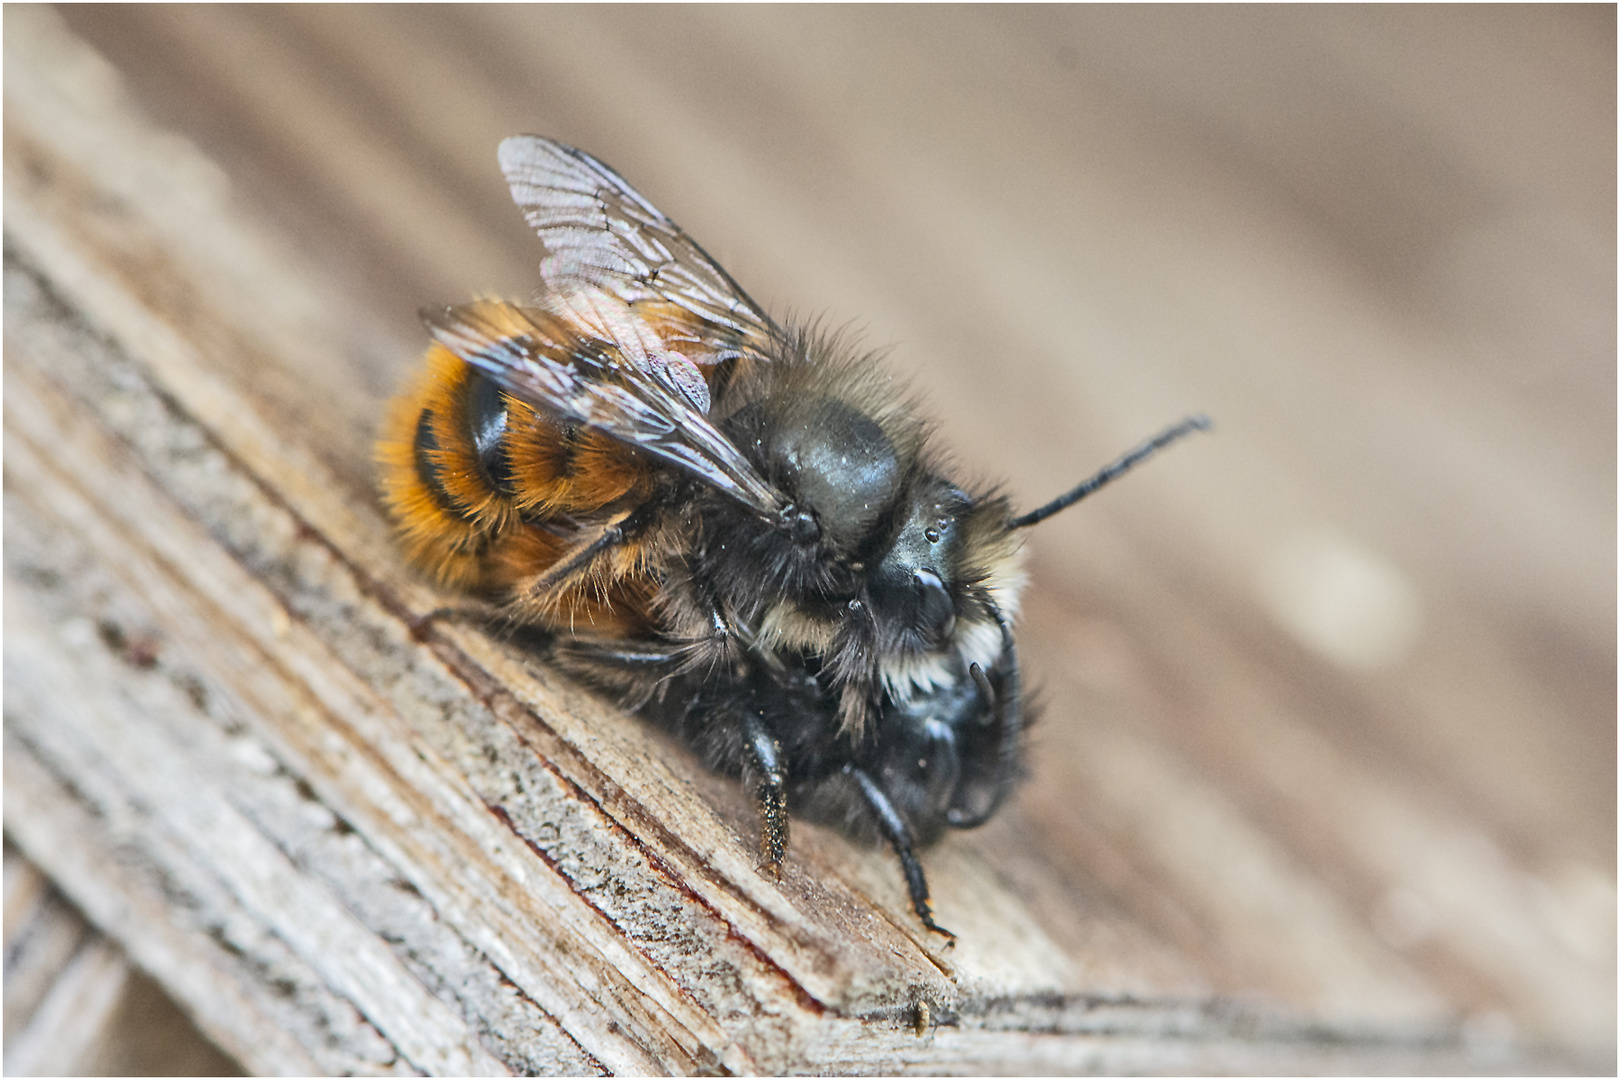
74 1006
1326 778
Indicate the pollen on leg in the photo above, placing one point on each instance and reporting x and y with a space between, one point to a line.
773 820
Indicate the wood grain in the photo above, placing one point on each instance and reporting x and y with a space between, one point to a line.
1326 776
73 1004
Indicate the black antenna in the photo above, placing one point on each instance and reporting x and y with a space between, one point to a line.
1114 471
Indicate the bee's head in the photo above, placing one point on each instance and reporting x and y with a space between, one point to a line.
916 585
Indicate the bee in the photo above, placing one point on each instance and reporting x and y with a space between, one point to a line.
739 528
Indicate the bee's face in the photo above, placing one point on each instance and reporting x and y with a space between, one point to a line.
916 586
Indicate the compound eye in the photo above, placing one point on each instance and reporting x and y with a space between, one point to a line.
936 611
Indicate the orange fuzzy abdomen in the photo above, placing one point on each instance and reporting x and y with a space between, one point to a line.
488 495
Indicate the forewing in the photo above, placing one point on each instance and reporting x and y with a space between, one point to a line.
541 358
598 231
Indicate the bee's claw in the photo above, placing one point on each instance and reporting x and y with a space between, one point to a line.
928 921
420 625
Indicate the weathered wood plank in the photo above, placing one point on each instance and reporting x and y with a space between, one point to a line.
63 980
343 850
73 1004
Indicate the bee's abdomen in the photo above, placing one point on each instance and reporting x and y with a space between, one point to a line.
482 488
487 428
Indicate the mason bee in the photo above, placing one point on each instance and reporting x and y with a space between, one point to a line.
737 527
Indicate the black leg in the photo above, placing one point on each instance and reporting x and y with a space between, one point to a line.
628 657
651 655
771 793
1007 716
622 529
898 833
470 610
572 562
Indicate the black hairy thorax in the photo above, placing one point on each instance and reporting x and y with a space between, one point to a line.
865 576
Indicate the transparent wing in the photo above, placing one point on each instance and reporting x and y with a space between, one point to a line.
598 231
622 390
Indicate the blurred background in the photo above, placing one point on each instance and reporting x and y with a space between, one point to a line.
1330 690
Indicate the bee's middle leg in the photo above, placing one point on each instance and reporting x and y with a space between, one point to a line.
765 754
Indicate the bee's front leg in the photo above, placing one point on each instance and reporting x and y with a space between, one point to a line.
898 833
765 755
